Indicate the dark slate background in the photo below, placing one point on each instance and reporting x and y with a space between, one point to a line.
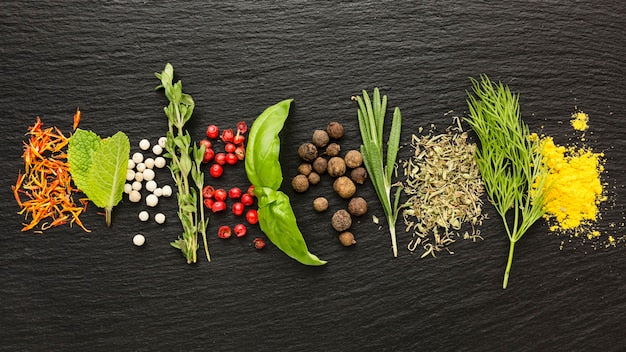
73 291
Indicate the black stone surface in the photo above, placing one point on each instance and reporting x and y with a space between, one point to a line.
67 290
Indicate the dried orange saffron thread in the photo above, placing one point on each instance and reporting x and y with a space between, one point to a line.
46 183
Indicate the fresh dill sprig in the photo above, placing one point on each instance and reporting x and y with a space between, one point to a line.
508 158
371 116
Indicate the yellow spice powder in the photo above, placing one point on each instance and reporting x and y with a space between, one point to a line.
579 121
575 187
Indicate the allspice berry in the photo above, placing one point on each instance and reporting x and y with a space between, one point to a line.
319 165
336 166
320 204
358 175
353 159
347 239
341 220
344 187
335 130
320 138
314 178
305 169
357 206
300 183
333 149
307 152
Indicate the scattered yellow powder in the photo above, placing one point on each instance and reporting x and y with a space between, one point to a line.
575 187
579 121
593 234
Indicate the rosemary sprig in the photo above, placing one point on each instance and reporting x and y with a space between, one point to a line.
508 159
371 116
186 159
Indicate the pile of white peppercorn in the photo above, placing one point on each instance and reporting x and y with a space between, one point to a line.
140 170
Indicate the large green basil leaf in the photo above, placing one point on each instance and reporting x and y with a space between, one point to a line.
278 222
262 165
276 216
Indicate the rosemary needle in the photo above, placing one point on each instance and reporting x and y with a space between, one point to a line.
371 115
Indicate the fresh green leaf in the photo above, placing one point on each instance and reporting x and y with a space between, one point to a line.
393 144
276 216
198 153
177 243
81 146
262 164
185 164
374 166
98 167
107 173
278 222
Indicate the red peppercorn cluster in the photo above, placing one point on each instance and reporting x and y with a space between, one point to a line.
234 148
215 200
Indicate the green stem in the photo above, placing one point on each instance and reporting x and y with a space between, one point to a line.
506 225
206 245
392 230
508 264
201 223
391 219
107 216
515 222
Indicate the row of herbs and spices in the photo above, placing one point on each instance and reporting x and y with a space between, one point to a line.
438 191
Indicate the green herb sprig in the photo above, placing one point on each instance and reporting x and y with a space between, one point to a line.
508 158
371 115
186 159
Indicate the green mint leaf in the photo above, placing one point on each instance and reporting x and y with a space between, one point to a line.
108 171
81 146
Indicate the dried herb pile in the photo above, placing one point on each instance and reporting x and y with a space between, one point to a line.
44 192
444 188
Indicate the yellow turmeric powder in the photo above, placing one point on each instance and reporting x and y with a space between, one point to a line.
579 121
575 186
576 194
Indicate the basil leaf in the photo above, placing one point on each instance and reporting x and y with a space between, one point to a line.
278 222
262 165
276 216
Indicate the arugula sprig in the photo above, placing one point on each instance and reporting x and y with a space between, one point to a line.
508 158
371 115
186 159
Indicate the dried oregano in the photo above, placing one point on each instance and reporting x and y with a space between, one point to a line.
444 188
